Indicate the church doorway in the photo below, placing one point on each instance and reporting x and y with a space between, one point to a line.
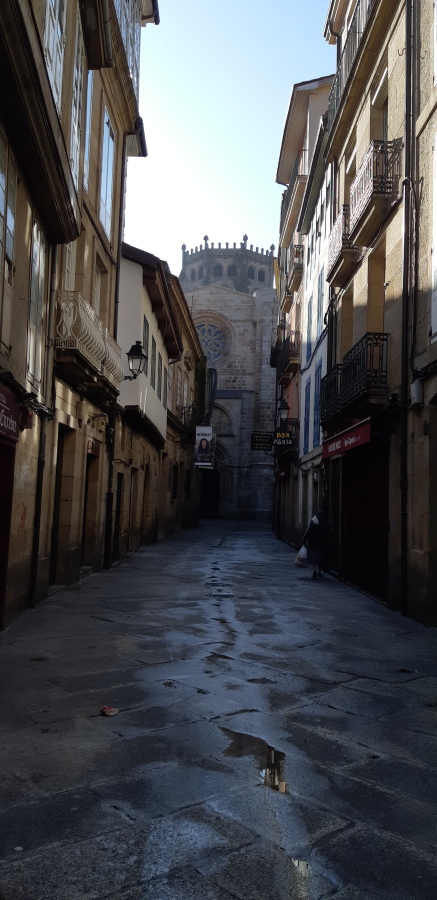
210 492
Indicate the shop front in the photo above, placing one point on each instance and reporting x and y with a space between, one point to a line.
10 413
357 470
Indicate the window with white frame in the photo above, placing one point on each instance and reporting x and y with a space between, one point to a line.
87 143
36 306
164 393
159 384
8 194
76 104
320 300
316 424
107 174
306 421
146 344
434 247
129 18
153 364
54 44
309 328
70 266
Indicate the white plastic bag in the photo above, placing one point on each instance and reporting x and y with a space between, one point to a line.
302 558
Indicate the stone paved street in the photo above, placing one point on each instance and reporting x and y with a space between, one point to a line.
276 737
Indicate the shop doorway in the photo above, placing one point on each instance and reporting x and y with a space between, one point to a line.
365 518
7 463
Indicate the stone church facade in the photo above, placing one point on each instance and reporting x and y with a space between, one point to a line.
230 294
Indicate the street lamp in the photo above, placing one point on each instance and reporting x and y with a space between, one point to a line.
283 411
137 360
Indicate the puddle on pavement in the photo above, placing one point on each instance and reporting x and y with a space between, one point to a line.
270 762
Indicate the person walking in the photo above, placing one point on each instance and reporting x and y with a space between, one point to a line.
316 540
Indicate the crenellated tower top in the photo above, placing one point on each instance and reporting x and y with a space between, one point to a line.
242 268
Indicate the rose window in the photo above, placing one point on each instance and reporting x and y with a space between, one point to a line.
213 340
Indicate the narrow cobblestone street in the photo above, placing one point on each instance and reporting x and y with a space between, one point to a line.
275 737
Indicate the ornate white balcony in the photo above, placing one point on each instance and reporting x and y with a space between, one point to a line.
112 367
79 328
87 354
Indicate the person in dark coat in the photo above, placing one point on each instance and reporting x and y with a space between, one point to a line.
316 540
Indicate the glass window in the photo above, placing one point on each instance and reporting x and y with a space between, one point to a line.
306 426
54 43
320 299
164 393
159 385
317 381
107 174
261 276
8 191
89 104
76 104
36 302
218 271
146 344
153 364
309 328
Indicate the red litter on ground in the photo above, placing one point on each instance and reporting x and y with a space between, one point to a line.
108 711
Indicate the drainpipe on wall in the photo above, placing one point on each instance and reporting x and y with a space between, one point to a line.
33 575
406 281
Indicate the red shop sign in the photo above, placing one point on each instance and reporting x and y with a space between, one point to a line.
9 414
347 440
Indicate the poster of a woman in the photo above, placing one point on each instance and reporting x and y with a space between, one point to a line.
204 451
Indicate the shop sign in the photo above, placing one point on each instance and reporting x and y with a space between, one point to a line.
261 440
10 415
347 440
283 439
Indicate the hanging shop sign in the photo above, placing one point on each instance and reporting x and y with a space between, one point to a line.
205 446
347 440
10 415
283 439
261 440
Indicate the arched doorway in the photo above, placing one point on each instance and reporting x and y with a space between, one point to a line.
210 492
216 494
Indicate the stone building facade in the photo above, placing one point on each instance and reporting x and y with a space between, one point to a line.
230 294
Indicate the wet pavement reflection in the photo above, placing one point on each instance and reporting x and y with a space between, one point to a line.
270 762
232 672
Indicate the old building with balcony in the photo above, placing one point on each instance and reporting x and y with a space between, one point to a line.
156 484
300 353
372 396
234 308
68 119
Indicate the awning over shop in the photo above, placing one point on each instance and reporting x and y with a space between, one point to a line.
347 440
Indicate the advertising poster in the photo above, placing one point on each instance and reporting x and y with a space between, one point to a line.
204 451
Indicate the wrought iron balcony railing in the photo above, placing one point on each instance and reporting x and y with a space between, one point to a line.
188 415
365 368
378 174
330 393
350 50
300 168
296 267
289 354
339 238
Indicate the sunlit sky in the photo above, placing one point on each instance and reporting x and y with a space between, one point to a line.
216 80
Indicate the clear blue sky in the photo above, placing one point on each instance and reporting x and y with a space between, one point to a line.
216 80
